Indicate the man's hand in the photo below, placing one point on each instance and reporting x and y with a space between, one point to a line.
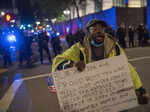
143 98
146 95
80 66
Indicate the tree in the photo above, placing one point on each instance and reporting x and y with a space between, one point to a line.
54 8
50 8
75 3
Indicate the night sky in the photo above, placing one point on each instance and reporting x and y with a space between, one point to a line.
23 6
5 4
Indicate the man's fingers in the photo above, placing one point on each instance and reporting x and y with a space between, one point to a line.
147 95
80 66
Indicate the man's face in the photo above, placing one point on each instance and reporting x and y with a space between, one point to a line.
97 33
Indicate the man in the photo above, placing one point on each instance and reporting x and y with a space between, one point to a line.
97 45
43 40
110 31
121 34
70 39
6 50
56 44
140 31
131 36
79 36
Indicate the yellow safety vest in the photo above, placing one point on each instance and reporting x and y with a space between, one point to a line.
73 54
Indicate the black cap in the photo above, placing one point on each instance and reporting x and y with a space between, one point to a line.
96 21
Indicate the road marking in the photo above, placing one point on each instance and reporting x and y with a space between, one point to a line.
9 95
34 77
136 48
140 58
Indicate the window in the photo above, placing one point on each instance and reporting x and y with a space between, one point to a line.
119 3
98 5
137 3
107 4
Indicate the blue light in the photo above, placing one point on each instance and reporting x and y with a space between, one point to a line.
29 25
57 34
13 48
50 28
79 23
24 27
11 38
67 29
126 1
21 27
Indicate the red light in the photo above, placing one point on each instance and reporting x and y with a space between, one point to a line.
40 27
8 17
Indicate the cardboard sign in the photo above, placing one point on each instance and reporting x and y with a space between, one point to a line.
104 86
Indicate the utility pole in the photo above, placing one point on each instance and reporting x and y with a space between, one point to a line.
78 16
76 6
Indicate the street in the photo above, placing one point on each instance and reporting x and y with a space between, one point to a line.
26 90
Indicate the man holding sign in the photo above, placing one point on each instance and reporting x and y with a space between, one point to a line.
97 45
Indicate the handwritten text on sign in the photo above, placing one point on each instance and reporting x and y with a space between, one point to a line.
104 86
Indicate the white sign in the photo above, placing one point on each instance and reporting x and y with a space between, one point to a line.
104 86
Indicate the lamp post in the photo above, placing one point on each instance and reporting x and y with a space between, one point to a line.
67 13
2 13
53 20
38 22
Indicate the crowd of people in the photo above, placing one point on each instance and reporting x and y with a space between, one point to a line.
25 40
126 36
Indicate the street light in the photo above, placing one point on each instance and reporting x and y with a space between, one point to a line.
2 13
67 12
53 20
47 26
38 22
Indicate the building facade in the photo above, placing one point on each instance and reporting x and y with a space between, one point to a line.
91 6
148 14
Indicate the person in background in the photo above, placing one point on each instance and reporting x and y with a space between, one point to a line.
145 37
29 40
5 47
6 52
43 41
131 36
110 31
140 31
79 36
120 35
70 39
56 44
